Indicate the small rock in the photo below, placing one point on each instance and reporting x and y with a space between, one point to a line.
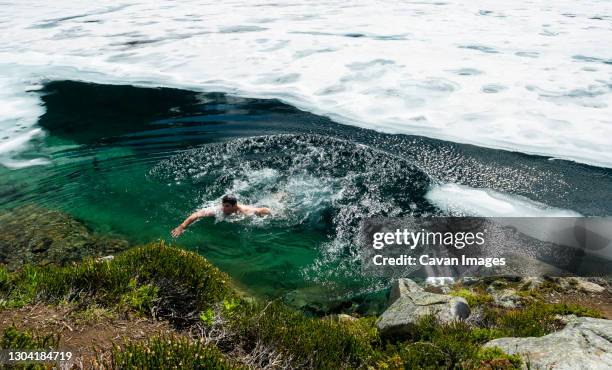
577 283
496 285
504 297
469 280
507 298
587 286
585 343
342 317
41 245
562 283
437 289
531 283
105 258
440 285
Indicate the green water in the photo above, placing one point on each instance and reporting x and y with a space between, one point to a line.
137 161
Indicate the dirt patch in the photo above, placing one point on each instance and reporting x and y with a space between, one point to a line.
83 332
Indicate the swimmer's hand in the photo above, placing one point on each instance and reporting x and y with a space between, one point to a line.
178 231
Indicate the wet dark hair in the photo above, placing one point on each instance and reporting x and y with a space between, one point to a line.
230 199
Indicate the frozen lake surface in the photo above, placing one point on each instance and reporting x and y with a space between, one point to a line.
525 76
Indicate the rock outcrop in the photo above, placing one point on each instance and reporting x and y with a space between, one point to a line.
411 303
584 343
402 287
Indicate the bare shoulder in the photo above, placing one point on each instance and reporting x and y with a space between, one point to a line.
206 212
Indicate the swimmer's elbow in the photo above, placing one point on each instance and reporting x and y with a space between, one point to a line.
263 211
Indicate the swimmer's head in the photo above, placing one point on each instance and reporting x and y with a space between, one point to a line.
229 204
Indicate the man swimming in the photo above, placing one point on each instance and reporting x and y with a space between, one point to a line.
229 206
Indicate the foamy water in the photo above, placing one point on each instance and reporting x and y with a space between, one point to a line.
533 77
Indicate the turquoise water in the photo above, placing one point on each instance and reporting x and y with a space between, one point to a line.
137 161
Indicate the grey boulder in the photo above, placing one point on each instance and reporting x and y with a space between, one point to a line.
584 343
402 287
407 309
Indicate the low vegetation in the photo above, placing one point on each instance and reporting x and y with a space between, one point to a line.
534 320
12 338
473 297
454 345
155 279
216 325
169 353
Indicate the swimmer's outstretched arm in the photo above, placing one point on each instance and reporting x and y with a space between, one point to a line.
191 219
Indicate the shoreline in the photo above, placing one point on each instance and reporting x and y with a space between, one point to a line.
143 288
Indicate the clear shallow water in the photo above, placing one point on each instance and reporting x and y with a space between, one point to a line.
534 77
136 161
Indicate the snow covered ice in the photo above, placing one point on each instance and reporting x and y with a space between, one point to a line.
534 77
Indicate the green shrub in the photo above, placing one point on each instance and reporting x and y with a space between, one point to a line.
482 335
435 345
572 309
534 320
93 314
140 299
180 283
423 355
4 279
494 358
208 316
310 342
14 339
169 353
444 344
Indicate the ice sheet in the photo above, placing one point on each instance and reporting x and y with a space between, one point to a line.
534 77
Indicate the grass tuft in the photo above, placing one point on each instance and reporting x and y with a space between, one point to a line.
534 320
473 298
169 353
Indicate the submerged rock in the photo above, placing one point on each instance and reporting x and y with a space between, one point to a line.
413 304
585 343
37 235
